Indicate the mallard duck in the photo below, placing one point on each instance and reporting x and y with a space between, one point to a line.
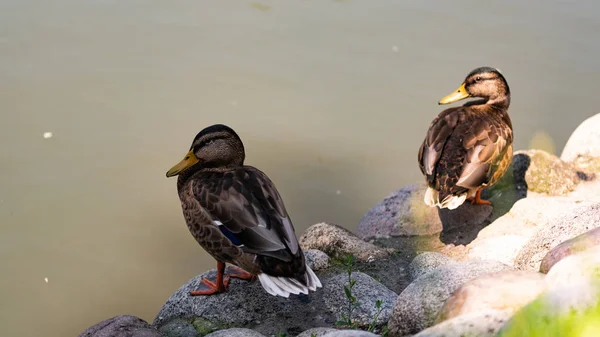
236 214
468 148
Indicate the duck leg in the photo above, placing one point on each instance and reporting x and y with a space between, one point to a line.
237 272
209 288
478 201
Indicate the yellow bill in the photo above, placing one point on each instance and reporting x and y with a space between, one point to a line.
188 161
460 93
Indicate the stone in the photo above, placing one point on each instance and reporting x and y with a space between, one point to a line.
548 174
403 213
417 307
576 268
503 248
564 311
235 332
480 324
584 141
181 328
426 262
506 291
316 332
575 245
121 326
556 231
338 242
367 291
350 333
316 259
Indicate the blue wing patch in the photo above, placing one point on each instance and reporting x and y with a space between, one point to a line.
228 234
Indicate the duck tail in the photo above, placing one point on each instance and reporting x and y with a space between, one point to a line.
432 199
284 286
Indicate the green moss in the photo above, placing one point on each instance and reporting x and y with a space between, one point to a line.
204 326
550 175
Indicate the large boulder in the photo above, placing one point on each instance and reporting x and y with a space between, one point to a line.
316 259
575 245
316 332
418 305
556 231
505 290
504 248
235 332
338 242
575 269
426 262
584 141
477 324
121 326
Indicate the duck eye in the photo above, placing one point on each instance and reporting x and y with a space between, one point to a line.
478 78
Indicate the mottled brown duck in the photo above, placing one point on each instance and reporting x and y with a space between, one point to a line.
236 214
468 148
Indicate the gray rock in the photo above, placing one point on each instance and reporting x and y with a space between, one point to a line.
181 328
585 140
555 231
481 324
549 175
575 245
121 326
418 305
316 259
235 332
565 304
316 332
575 269
507 290
503 248
350 333
403 213
338 242
426 262
367 291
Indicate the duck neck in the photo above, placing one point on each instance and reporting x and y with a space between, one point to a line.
501 102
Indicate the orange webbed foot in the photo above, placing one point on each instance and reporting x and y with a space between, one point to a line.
239 273
478 201
210 288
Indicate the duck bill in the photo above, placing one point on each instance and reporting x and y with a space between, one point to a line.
188 161
460 93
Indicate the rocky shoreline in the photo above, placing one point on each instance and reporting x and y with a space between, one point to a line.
531 261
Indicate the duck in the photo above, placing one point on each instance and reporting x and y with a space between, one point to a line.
236 214
468 148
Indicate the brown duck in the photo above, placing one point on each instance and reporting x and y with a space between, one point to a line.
236 214
468 148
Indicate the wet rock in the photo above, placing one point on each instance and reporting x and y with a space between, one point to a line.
316 259
418 305
235 332
403 213
367 291
481 324
575 269
121 326
505 290
392 272
350 333
337 242
246 305
426 262
560 312
316 332
503 248
575 245
584 141
556 231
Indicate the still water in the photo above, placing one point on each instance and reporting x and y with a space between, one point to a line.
332 99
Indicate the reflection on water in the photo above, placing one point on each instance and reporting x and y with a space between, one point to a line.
332 99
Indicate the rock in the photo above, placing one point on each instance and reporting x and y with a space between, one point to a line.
575 245
246 305
403 213
480 324
367 291
565 311
181 328
350 333
426 262
338 242
418 305
502 248
575 269
506 290
555 231
316 259
548 174
235 332
121 326
392 272
316 332
585 140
